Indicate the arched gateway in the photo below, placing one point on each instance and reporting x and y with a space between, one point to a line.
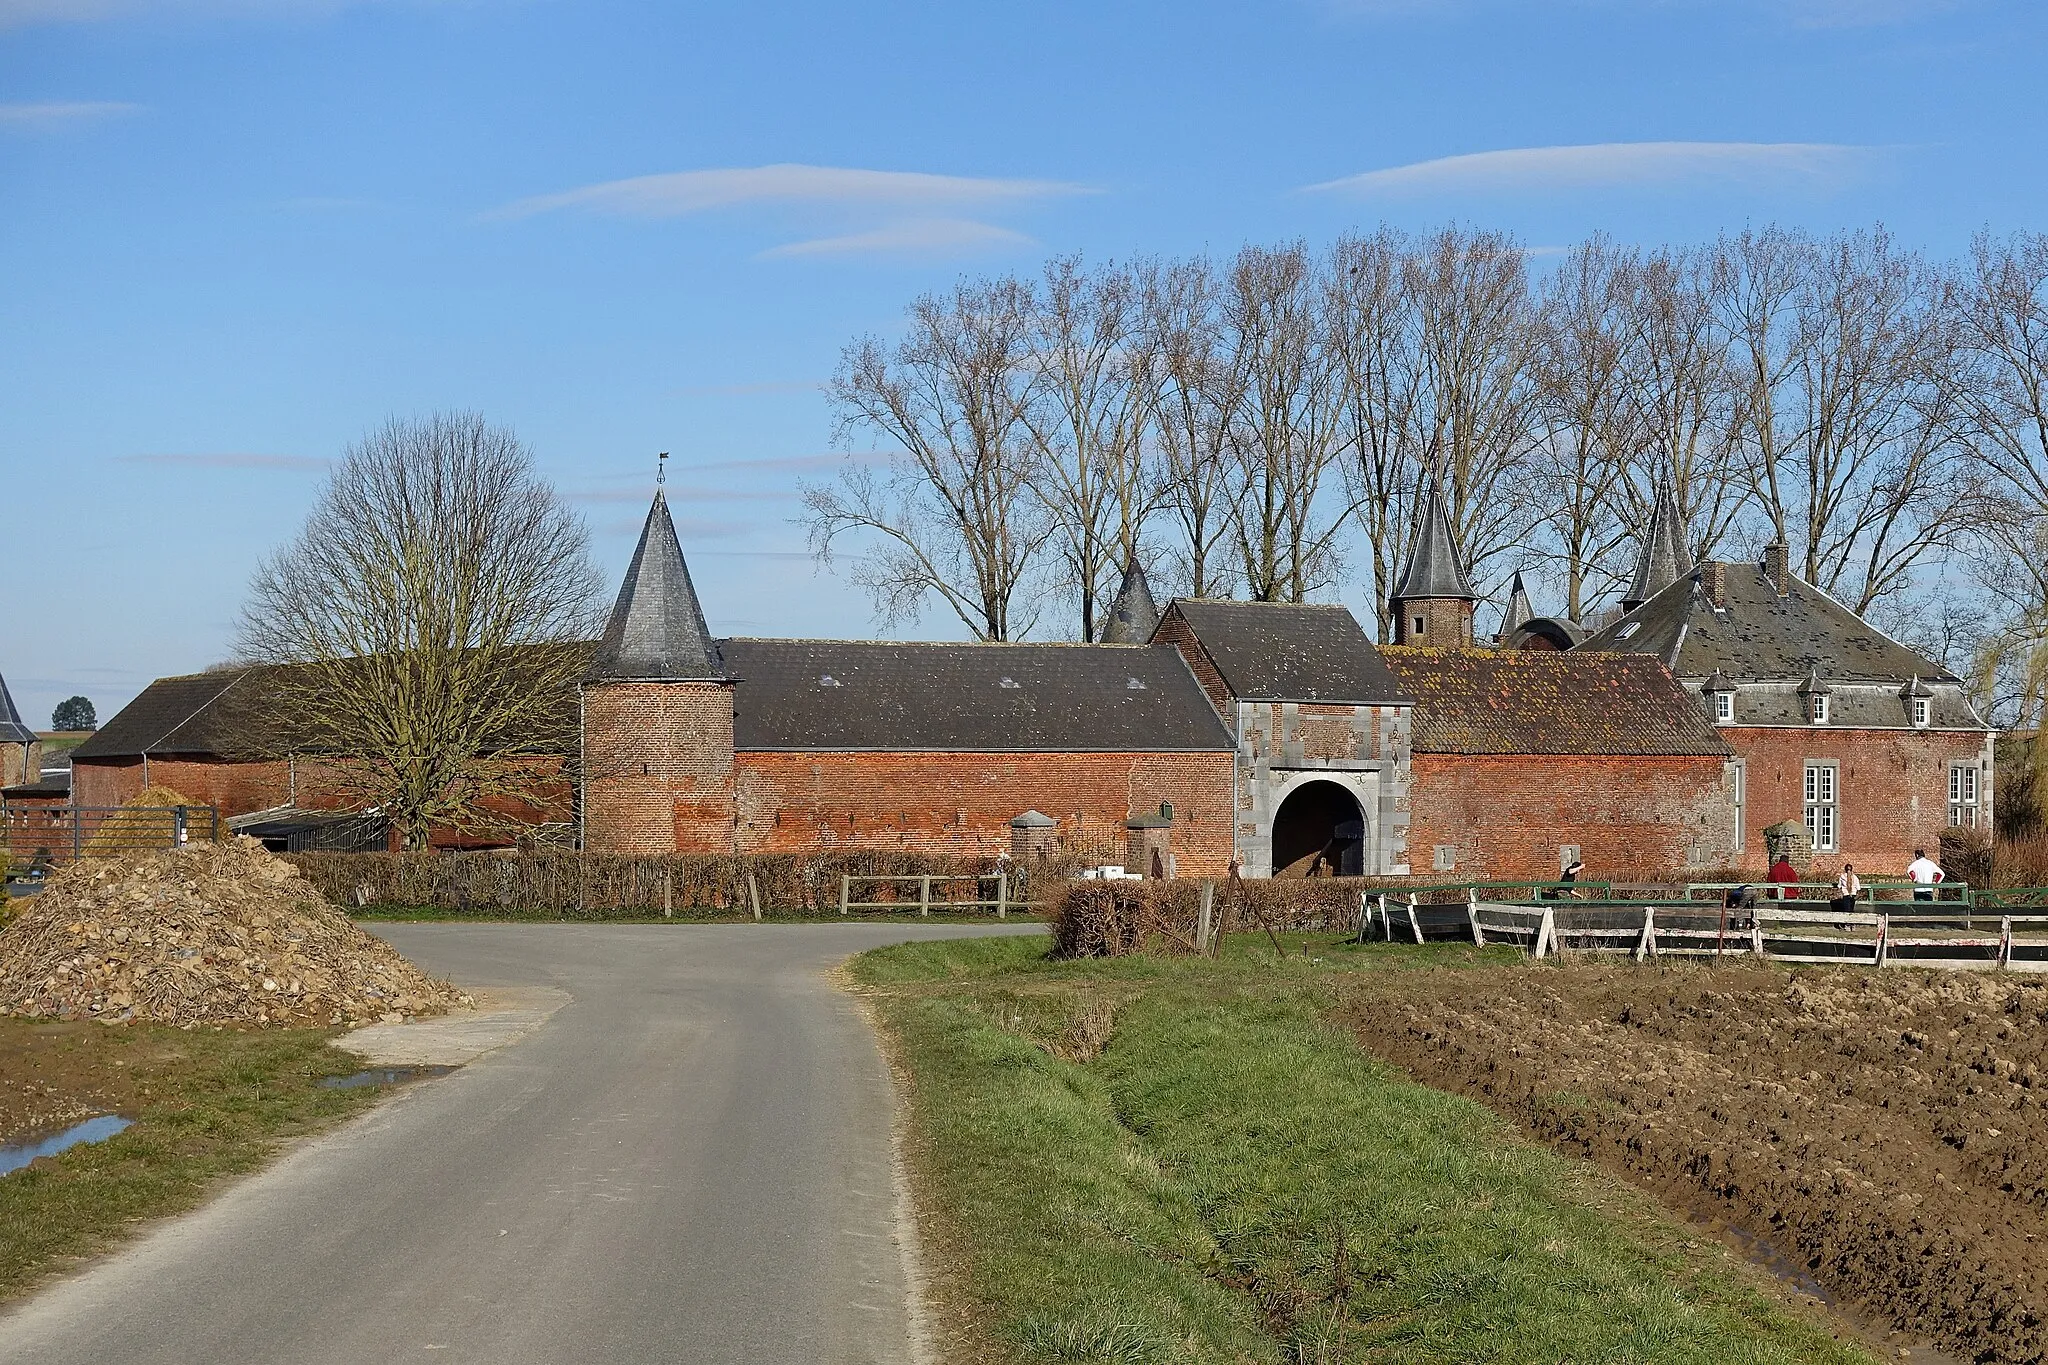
1319 828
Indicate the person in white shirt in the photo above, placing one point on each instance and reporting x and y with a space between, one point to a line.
1848 887
1926 875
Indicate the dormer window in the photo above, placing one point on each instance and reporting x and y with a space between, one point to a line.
1923 711
1724 706
1817 708
1628 629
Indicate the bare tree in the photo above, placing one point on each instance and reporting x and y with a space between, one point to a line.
1092 470
953 516
1476 416
435 614
1288 429
1373 338
1199 383
1686 395
1852 449
2002 398
1591 428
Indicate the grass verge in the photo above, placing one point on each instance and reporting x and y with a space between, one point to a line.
1152 1160
206 1105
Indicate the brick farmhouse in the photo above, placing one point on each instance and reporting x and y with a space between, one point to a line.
1278 733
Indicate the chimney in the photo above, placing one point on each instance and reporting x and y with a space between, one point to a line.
1775 566
1714 579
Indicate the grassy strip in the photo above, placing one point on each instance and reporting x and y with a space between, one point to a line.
1150 1161
206 1105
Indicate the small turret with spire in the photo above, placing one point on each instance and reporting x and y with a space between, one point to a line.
1432 603
1663 556
1133 616
1519 612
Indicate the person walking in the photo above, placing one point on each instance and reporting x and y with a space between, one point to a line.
1926 875
1848 887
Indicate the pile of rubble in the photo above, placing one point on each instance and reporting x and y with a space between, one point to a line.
204 934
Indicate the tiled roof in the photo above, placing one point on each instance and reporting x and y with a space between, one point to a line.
1484 701
1759 635
1286 651
827 695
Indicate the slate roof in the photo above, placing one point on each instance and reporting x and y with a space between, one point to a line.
1519 613
1663 556
1434 569
657 630
1288 651
1133 616
852 695
1760 635
12 731
1506 701
171 716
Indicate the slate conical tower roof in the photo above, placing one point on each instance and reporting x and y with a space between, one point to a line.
1134 615
1518 611
1433 567
657 630
12 731
1663 556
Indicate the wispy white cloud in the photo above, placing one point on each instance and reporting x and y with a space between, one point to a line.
52 115
912 237
678 193
230 461
680 495
1606 164
1799 13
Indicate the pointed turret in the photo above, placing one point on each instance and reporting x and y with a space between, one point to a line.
1663 556
1134 615
1432 604
12 731
657 630
1519 613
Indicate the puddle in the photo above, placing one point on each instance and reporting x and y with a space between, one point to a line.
383 1075
1768 1258
17 1155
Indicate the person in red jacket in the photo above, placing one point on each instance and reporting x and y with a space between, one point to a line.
1784 877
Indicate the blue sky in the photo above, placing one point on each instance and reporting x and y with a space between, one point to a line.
235 234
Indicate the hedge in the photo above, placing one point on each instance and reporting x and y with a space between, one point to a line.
1114 918
599 886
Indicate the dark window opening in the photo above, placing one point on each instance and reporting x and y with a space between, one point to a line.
1319 831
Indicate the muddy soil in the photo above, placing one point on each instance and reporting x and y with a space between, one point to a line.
1886 1131
53 1074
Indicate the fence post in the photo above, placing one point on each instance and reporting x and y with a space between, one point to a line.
1648 943
668 892
1002 895
2005 941
1386 925
1472 918
1414 924
924 895
77 834
1546 933
754 895
1884 937
1202 927
845 890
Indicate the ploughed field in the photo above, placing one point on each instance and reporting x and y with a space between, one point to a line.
1885 1131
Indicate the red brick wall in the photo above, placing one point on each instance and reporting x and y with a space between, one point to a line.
1174 630
658 763
1892 796
1507 815
963 803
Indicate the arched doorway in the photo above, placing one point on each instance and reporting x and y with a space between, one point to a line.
1319 818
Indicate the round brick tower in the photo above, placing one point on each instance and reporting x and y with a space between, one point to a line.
1432 604
657 714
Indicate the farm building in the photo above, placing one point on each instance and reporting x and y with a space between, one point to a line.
1830 721
1277 732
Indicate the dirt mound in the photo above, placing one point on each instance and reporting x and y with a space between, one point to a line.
1885 1131
205 934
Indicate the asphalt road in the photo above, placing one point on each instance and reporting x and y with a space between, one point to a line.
689 1162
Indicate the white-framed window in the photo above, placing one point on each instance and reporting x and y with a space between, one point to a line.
1962 794
1628 630
1822 813
1739 789
1817 709
1724 706
1923 711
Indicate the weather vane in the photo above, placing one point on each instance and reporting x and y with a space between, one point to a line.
661 468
